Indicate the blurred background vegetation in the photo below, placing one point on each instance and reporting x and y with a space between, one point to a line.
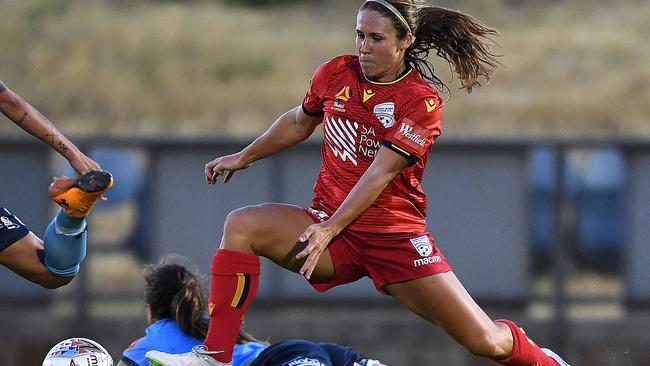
230 67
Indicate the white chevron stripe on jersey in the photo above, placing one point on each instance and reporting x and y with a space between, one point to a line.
341 138
335 136
346 140
350 131
339 151
335 143
347 127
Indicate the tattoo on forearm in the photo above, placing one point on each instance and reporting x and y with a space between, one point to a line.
63 147
22 119
18 121
2 87
60 144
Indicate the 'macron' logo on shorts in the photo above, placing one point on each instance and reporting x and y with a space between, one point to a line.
425 249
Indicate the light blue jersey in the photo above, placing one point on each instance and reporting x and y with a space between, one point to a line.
247 352
164 335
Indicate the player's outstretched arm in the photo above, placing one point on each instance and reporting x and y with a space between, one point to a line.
290 129
29 119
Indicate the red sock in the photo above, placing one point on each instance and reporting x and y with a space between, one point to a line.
235 277
524 351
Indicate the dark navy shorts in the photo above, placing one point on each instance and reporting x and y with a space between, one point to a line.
304 353
11 228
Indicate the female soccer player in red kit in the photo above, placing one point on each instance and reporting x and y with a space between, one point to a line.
380 118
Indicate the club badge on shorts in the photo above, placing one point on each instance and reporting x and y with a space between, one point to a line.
422 245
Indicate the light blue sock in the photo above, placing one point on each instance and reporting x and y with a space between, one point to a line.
65 244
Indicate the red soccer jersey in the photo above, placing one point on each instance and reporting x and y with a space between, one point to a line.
360 116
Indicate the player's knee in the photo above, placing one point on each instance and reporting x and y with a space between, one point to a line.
485 344
238 230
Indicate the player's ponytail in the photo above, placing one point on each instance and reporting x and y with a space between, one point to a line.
188 306
173 291
459 39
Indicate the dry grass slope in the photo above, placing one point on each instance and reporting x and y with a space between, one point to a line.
148 67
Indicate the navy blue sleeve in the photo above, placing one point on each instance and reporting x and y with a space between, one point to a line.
293 353
342 355
11 228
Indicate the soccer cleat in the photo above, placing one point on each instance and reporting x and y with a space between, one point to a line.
555 357
77 196
198 357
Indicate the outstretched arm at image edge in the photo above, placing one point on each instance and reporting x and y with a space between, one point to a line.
29 119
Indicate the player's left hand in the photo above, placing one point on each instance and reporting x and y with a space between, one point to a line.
82 163
318 237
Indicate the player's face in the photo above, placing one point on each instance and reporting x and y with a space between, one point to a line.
381 52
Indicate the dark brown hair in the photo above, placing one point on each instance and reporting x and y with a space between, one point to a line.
459 39
172 291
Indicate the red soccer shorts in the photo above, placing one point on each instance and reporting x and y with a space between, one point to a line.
385 258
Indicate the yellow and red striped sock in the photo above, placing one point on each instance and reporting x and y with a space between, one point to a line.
235 277
524 351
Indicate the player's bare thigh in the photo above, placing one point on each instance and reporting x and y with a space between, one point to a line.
22 257
271 230
442 299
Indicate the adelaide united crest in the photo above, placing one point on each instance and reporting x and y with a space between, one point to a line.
384 113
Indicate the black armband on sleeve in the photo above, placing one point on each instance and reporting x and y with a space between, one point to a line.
412 159
311 114
2 87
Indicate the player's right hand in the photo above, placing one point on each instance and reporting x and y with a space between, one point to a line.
82 163
227 165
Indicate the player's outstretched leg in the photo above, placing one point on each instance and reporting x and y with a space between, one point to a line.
198 357
443 300
65 237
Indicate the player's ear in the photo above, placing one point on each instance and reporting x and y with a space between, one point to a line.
407 41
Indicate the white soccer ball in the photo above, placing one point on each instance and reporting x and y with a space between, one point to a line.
78 352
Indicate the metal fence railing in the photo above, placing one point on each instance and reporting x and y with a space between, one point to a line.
497 207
